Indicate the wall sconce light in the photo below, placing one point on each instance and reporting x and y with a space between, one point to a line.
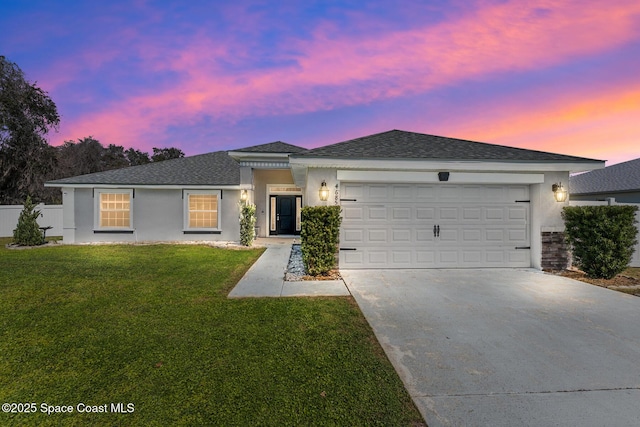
559 192
324 191
244 195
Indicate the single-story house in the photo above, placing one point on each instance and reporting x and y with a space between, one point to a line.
408 200
620 181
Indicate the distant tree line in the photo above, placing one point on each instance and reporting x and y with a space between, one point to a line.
27 161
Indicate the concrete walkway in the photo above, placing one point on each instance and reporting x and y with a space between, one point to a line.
265 278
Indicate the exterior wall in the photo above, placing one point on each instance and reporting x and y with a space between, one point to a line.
630 197
315 177
555 253
262 178
157 215
545 213
51 215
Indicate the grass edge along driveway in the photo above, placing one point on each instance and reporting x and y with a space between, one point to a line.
150 328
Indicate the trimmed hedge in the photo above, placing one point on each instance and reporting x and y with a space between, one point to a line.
247 224
602 238
319 238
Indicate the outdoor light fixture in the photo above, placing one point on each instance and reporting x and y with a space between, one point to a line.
244 195
324 191
559 192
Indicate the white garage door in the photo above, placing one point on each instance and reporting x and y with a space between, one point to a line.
434 226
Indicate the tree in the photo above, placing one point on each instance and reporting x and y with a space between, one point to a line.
160 154
26 116
137 157
113 157
27 232
82 157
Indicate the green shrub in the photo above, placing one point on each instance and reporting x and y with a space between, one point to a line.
602 238
28 232
247 224
319 238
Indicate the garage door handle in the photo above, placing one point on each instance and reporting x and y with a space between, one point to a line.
436 231
347 249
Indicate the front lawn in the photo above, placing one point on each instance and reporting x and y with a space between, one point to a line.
151 328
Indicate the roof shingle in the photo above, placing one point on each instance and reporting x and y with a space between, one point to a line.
205 169
621 177
397 144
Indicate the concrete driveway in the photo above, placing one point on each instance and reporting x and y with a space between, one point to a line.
506 347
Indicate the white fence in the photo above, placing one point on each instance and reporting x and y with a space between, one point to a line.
635 260
51 216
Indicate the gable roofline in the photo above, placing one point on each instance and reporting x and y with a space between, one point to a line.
398 144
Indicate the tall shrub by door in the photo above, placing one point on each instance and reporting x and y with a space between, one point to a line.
320 230
602 238
247 224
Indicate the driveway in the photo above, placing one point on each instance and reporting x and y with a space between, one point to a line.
506 347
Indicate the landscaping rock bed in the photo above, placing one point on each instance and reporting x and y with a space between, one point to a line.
296 271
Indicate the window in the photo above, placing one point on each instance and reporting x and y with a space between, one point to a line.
201 210
113 210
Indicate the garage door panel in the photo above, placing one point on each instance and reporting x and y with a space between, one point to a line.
376 213
392 226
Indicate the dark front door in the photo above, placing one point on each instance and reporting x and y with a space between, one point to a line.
285 214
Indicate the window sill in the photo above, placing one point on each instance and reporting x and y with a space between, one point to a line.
114 231
201 231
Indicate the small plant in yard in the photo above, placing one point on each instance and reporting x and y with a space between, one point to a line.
247 224
602 238
319 238
27 232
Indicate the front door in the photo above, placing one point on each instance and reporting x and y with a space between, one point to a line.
285 214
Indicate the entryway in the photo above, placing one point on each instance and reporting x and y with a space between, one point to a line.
285 214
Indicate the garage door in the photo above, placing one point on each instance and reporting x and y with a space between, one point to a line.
434 226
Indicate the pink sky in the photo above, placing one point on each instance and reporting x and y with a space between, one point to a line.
560 76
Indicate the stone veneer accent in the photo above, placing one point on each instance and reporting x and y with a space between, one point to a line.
555 252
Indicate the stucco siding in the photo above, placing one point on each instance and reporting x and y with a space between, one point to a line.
156 215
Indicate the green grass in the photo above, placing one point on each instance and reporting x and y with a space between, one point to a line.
151 326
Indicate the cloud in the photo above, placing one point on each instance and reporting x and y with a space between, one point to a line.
213 76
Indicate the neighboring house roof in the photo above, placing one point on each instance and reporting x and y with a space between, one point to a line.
205 169
273 147
398 144
617 178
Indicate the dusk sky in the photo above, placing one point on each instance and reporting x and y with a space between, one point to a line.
559 76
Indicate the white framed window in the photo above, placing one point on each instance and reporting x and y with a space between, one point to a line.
201 210
113 209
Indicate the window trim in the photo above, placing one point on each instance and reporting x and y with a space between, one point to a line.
185 209
97 228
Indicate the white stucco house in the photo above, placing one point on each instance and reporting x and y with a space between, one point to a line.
408 200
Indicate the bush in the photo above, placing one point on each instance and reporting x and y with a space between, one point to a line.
319 238
247 224
28 232
602 238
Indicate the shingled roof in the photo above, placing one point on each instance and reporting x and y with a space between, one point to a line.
273 147
216 168
617 178
398 144
205 169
